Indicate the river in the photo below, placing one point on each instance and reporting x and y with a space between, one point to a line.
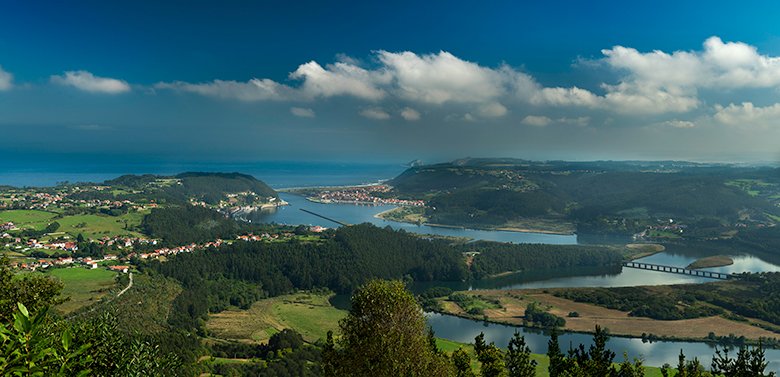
464 330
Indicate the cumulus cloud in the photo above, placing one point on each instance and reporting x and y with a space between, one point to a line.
339 79
6 80
675 123
252 90
375 113
645 84
658 82
426 79
302 112
88 82
747 114
410 114
536 120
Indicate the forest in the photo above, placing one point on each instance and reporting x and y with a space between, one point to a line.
598 197
495 257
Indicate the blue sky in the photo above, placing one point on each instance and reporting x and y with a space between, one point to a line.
387 81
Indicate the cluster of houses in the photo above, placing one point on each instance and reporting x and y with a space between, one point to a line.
32 200
32 243
7 226
364 195
87 262
125 242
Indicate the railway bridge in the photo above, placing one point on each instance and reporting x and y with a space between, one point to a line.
679 270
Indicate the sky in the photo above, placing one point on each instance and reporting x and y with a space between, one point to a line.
238 81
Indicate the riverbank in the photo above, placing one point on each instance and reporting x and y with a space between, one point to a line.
713 261
583 317
396 214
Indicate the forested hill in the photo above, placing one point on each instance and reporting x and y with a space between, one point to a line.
209 187
596 196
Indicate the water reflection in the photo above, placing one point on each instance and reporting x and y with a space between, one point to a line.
655 353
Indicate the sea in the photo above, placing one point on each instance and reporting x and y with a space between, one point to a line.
277 174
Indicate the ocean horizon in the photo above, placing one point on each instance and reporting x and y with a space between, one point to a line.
277 174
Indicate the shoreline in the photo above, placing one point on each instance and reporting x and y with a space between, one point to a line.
513 304
655 338
381 215
710 262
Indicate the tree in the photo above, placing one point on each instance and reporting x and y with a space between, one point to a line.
492 360
462 362
629 369
518 358
749 362
557 360
597 360
35 292
384 334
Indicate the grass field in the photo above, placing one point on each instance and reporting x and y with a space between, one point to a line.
97 226
309 314
618 322
713 261
83 286
29 219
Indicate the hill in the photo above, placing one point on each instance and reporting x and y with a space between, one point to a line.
202 186
599 197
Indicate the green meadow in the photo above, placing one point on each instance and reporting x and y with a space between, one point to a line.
82 286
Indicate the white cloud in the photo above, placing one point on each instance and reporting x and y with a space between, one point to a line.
675 123
6 80
492 110
252 90
86 81
536 121
565 97
746 114
375 113
410 114
339 79
440 78
647 83
302 112
660 82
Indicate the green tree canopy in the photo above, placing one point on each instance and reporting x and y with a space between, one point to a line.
384 335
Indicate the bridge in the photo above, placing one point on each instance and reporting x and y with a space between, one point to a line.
324 217
678 270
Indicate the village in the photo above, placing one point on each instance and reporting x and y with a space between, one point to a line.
363 195
122 261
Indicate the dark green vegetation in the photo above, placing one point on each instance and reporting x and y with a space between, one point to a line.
347 258
540 317
208 187
474 304
495 257
754 295
599 197
384 335
180 225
